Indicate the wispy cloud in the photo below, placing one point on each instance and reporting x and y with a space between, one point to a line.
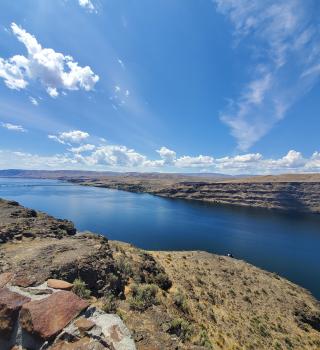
284 65
53 69
13 127
33 101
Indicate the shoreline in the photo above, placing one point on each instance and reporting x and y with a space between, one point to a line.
290 204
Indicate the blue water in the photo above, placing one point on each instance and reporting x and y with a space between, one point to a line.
288 244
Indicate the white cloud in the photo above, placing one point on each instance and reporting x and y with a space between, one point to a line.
87 4
114 155
53 92
167 155
194 162
122 158
84 148
54 70
13 127
284 64
67 137
33 101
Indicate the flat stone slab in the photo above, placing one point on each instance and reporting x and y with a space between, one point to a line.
59 284
10 304
83 324
82 344
46 317
5 278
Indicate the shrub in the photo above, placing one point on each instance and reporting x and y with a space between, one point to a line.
180 301
163 281
114 283
124 266
204 339
143 296
181 328
80 288
109 304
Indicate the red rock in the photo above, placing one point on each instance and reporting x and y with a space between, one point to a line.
23 281
10 304
84 324
46 317
59 284
81 344
5 278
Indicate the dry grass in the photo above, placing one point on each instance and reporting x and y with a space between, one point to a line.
228 304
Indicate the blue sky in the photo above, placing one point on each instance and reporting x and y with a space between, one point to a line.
229 86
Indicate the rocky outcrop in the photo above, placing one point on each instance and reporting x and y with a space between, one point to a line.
36 321
17 222
88 257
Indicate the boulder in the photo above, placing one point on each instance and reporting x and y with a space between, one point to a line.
45 318
10 304
114 330
5 278
59 284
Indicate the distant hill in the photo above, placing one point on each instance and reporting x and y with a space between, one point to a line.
56 174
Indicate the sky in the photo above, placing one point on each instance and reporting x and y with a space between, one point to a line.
212 86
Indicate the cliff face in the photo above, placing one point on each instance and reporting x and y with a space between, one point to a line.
301 196
168 300
295 196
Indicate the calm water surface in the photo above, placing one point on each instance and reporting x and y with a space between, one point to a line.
287 244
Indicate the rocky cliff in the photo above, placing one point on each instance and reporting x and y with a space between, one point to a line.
60 289
283 193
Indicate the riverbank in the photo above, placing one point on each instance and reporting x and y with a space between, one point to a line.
169 300
288 192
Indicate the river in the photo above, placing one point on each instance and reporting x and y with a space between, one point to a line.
285 243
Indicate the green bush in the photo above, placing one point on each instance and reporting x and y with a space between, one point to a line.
80 288
124 266
181 328
180 301
143 296
109 304
204 339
